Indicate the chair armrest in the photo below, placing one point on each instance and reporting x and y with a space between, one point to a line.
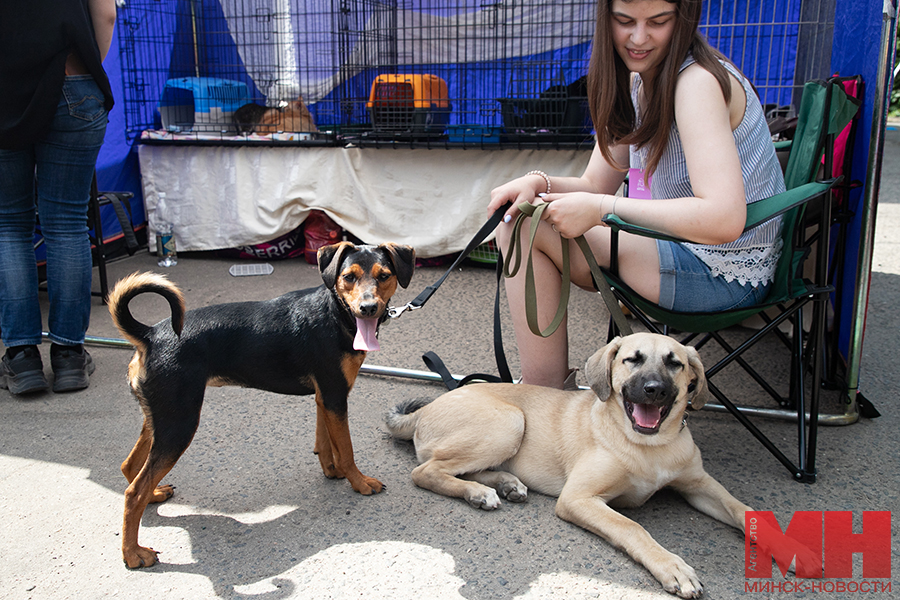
783 145
757 213
768 208
617 223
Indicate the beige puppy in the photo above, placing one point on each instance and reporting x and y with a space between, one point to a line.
613 446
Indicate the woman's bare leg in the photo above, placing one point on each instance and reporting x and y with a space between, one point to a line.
545 361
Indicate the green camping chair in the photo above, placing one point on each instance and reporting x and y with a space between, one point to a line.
806 207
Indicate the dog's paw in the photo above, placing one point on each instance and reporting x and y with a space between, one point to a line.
514 491
162 493
486 499
807 562
139 557
679 578
368 486
331 471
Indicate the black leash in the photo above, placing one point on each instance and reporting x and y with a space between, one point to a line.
432 361
504 268
420 300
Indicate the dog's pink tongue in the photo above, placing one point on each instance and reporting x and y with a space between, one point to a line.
646 415
365 335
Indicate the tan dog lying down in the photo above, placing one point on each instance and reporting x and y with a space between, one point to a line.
613 446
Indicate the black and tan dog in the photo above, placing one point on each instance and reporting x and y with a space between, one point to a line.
613 446
304 342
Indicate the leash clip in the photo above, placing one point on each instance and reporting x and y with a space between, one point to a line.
394 312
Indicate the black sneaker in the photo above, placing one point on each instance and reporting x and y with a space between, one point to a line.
72 367
22 371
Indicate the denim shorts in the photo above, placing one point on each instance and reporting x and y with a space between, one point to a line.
686 284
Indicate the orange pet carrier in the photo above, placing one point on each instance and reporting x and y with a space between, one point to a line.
416 103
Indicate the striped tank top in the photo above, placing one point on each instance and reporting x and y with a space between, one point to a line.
751 258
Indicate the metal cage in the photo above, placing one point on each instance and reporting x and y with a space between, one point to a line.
513 69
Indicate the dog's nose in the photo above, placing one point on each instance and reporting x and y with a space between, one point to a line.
654 390
368 309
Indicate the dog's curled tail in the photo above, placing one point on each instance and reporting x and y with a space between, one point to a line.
134 285
401 420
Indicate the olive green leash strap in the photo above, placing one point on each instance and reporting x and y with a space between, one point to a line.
606 292
535 211
514 253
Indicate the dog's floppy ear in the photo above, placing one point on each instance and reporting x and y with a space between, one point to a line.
698 392
330 259
403 258
598 369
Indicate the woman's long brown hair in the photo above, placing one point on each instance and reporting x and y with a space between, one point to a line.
609 84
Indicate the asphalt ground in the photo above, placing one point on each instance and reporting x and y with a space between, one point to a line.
253 516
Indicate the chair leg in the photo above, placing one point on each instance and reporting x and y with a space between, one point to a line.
99 251
818 358
798 389
798 364
765 385
760 436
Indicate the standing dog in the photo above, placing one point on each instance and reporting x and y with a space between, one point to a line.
304 342
614 446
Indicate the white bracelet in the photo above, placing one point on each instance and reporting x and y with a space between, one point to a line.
603 214
542 174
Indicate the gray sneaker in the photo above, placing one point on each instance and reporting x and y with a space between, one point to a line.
23 372
72 367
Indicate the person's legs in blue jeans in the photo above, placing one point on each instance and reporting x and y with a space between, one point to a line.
63 163
65 159
20 313
21 369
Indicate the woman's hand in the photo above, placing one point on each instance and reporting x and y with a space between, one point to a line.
523 189
572 214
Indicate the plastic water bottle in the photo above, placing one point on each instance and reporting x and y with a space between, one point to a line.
166 253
